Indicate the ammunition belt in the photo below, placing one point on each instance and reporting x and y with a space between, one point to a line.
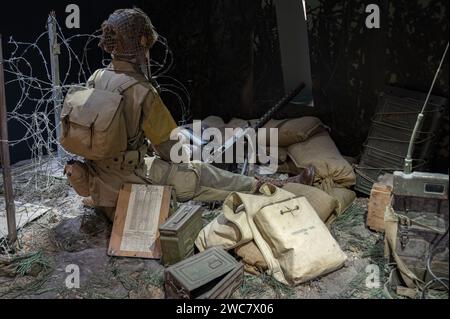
128 160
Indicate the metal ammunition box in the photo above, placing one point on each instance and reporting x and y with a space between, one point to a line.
208 275
179 232
423 198
229 284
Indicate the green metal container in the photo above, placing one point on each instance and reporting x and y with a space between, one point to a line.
179 232
423 199
210 274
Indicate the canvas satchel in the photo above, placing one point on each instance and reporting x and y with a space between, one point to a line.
295 243
323 203
92 120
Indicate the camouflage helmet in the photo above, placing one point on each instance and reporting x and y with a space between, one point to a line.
128 34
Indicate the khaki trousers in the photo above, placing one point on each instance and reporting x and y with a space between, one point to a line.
198 181
191 181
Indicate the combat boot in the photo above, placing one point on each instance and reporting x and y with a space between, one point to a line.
306 178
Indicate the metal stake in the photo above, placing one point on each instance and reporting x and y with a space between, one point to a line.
5 159
55 51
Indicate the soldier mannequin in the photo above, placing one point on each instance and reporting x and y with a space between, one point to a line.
128 35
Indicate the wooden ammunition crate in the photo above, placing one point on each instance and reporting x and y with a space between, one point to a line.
380 198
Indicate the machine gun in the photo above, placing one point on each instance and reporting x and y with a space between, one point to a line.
218 152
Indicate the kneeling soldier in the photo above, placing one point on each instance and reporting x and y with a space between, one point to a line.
128 35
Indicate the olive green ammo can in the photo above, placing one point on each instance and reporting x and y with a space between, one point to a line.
211 274
179 232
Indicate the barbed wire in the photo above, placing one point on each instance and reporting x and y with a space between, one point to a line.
33 113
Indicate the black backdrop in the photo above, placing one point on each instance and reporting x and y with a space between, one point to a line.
211 40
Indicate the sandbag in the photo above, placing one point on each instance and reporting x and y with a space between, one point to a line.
213 121
291 131
322 203
321 152
344 198
288 167
282 155
252 258
235 123
278 155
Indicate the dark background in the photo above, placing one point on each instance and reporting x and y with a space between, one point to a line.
224 47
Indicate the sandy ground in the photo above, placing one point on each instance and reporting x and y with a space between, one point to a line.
71 234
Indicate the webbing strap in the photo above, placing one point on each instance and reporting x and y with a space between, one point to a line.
124 81
91 83
404 220
392 289
391 221
121 88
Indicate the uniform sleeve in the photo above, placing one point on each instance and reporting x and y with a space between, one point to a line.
158 122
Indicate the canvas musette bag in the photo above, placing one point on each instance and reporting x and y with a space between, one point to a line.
92 121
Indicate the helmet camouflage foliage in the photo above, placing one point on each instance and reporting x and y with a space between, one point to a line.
128 34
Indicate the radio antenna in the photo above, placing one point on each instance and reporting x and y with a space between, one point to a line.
418 126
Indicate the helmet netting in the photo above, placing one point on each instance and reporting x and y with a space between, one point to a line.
122 34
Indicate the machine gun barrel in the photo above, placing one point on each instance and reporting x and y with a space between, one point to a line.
281 103
260 123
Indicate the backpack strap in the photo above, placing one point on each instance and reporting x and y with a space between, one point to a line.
119 82
91 82
113 82
125 85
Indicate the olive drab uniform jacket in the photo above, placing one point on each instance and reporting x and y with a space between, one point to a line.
146 116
